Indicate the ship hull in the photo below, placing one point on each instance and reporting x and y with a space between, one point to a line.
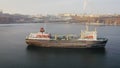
100 43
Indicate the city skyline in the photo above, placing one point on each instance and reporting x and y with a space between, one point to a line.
59 6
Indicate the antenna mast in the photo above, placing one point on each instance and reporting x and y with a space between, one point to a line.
84 5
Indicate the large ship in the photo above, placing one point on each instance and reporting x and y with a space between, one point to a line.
87 39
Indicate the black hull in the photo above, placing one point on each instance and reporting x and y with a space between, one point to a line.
100 43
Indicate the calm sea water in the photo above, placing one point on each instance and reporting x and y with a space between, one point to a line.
14 52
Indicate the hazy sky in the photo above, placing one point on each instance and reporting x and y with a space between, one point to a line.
59 6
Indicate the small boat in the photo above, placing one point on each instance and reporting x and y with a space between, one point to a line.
87 39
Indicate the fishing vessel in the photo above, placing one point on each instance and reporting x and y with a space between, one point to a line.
86 39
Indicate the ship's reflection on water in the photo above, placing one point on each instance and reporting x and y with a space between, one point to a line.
54 57
66 50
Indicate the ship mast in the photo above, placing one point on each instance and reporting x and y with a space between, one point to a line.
84 9
87 29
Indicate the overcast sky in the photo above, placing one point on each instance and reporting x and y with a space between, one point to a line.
59 6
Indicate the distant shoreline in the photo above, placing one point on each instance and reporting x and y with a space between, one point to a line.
94 24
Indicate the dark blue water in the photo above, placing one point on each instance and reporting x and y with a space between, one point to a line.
14 52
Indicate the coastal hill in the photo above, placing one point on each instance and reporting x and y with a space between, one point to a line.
6 18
